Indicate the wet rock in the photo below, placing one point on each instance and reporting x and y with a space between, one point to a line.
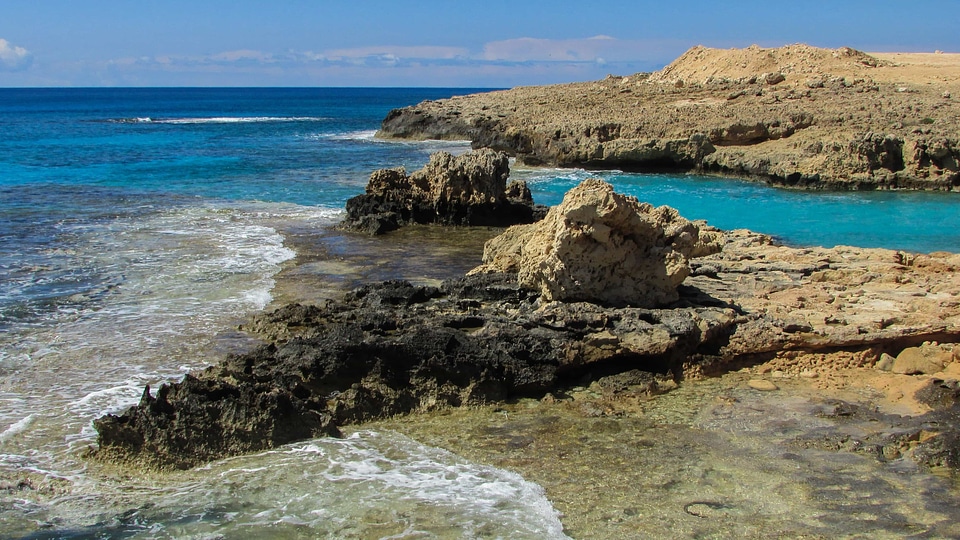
393 348
451 190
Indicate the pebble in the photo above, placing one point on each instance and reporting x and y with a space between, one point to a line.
762 384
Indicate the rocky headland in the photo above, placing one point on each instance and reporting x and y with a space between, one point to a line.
796 116
550 308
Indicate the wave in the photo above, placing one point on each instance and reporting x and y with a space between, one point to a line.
364 135
369 136
218 120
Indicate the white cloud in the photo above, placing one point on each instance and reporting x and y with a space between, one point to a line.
397 51
242 55
600 49
13 58
499 63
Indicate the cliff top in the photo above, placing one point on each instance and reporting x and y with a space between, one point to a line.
800 62
796 115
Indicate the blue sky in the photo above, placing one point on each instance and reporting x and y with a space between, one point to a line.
486 43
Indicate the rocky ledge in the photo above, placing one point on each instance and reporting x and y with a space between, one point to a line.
797 116
499 333
470 189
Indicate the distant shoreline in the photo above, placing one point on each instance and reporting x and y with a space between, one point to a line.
796 116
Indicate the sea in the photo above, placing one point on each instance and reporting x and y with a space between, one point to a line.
140 227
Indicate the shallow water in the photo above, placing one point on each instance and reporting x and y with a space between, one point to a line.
712 459
910 221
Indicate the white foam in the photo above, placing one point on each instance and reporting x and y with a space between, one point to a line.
364 135
223 120
429 145
338 485
17 427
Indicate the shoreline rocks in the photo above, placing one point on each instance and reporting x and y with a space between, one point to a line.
393 348
796 116
470 189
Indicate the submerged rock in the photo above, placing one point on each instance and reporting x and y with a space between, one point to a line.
450 190
600 246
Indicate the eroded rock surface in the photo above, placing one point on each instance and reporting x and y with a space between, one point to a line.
797 115
470 189
600 246
392 348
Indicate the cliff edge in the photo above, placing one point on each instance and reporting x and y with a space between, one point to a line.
797 116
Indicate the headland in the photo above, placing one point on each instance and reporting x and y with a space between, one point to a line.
795 116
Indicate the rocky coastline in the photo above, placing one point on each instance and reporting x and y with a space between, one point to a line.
537 317
795 116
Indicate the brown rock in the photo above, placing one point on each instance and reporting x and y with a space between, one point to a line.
762 384
470 189
797 115
600 246
925 359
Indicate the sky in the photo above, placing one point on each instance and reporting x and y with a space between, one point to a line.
451 43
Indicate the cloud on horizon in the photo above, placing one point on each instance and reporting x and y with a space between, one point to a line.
559 50
495 64
13 58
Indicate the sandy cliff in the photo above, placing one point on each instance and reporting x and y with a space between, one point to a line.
796 115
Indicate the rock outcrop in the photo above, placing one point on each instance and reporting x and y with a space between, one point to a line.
450 190
603 247
797 116
392 348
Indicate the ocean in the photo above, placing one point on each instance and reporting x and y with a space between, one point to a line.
139 227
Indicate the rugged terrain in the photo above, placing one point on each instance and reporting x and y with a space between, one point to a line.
391 348
797 116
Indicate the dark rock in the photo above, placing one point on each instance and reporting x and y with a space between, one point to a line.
466 190
393 348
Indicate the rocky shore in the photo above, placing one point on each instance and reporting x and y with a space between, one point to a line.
538 317
471 189
796 116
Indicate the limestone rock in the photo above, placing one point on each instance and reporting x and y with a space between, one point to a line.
470 189
926 359
885 363
796 115
762 385
604 247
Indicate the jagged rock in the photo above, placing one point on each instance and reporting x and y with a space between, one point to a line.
392 348
601 246
451 190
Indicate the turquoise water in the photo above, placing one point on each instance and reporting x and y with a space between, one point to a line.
911 221
138 226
